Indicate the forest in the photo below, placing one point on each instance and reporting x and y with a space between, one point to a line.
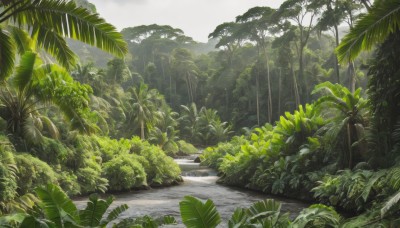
300 102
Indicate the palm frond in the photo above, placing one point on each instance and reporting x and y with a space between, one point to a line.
51 127
391 203
7 54
31 132
115 213
372 28
24 71
93 213
21 38
66 19
54 44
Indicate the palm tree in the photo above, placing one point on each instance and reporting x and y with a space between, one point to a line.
35 85
144 107
382 19
186 69
348 118
31 24
188 121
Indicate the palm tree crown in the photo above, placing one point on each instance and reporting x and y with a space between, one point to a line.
26 25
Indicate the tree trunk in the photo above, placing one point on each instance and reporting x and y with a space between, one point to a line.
337 68
352 76
269 91
295 88
279 92
142 129
257 99
170 90
349 144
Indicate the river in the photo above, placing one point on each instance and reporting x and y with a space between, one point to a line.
199 182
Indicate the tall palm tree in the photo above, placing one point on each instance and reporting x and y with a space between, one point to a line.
349 110
144 107
31 24
35 85
188 121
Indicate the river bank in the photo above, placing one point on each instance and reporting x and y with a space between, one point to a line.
198 181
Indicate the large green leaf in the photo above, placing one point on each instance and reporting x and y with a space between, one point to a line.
196 214
21 39
114 214
57 206
7 54
317 215
372 28
66 19
390 204
33 222
238 219
24 71
94 211
54 44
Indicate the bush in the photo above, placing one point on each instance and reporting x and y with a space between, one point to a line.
186 148
111 148
213 156
69 183
90 180
32 172
160 169
52 151
124 173
8 170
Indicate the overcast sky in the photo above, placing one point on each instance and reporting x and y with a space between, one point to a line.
197 18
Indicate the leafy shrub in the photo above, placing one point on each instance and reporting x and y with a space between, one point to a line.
68 181
8 172
186 148
111 148
52 151
90 180
124 173
146 221
352 191
213 156
160 168
32 172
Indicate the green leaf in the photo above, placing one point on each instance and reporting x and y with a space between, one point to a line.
55 45
239 218
94 211
196 214
115 213
24 71
66 19
33 222
56 205
7 54
391 203
372 28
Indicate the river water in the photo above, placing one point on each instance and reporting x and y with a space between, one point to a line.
199 182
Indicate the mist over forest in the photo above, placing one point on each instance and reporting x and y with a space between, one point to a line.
296 107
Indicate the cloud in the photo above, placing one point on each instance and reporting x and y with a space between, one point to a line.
197 18
119 2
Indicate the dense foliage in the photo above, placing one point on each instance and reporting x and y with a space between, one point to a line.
272 74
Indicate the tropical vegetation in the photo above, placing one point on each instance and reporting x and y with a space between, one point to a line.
280 105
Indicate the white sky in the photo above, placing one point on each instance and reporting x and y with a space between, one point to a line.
197 18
